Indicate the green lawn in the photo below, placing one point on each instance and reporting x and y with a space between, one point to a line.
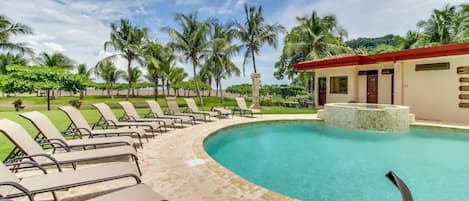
61 121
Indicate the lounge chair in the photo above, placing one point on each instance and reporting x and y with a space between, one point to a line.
222 112
195 110
140 192
81 126
48 130
242 107
156 111
108 119
33 151
173 108
11 186
131 115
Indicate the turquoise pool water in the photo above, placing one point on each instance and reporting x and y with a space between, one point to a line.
312 161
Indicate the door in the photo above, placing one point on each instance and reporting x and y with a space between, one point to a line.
372 88
322 90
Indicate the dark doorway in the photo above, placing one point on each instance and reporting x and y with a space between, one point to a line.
372 88
322 90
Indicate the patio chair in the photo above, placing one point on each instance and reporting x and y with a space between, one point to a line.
81 126
173 108
108 119
140 192
35 152
51 134
156 111
131 115
242 107
12 187
222 112
192 106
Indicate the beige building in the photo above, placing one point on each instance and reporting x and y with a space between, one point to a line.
433 81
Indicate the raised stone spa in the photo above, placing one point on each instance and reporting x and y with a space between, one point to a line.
367 116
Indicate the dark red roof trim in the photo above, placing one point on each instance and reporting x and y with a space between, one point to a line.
419 53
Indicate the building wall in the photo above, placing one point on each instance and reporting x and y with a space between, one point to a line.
433 95
384 83
350 72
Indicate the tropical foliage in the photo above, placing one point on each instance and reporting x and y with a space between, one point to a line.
8 29
127 40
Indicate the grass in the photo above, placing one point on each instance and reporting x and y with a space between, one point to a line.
61 121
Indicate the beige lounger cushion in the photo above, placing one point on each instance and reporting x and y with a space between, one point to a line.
130 110
57 179
140 192
93 154
193 107
156 109
50 131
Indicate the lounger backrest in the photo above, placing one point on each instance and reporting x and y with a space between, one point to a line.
6 176
155 107
76 117
172 104
44 125
129 109
241 103
106 112
21 138
191 104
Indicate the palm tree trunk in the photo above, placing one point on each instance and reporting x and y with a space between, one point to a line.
221 93
197 84
216 87
155 93
129 71
253 61
162 84
112 93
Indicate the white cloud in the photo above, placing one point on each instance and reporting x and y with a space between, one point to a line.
54 47
228 7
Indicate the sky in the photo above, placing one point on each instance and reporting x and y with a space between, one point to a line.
79 28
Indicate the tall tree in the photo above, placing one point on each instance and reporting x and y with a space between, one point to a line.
152 55
127 40
191 41
9 28
254 33
9 59
314 37
221 49
85 74
441 28
133 77
55 60
109 73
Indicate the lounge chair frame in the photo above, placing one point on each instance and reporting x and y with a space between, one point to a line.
153 105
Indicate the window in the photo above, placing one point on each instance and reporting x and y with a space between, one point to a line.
339 85
433 66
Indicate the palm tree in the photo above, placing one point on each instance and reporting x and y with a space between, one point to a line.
85 73
191 41
133 77
314 36
127 40
441 28
58 60
7 29
152 54
176 75
221 49
109 73
9 59
254 33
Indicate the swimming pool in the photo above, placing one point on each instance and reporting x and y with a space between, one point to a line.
312 161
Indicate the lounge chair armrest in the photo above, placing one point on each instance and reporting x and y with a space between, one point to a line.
110 123
26 162
57 142
31 157
86 130
20 188
149 115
